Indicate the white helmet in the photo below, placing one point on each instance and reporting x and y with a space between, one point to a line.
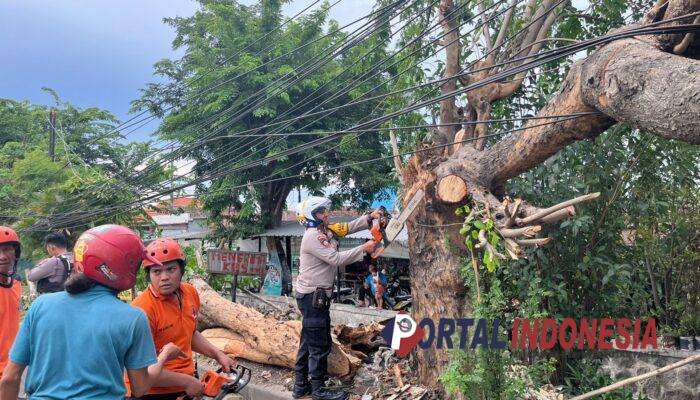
306 214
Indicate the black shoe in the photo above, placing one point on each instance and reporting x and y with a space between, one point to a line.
327 394
301 390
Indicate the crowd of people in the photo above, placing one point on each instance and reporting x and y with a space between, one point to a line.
79 341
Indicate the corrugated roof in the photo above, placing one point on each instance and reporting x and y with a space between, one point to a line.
294 228
171 219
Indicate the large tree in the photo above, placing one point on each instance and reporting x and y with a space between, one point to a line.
650 83
246 67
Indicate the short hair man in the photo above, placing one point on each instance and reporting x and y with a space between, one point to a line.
51 273
172 308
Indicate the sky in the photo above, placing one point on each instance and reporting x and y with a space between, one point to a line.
99 52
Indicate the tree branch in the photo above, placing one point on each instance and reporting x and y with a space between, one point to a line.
448 107
397 155
547 211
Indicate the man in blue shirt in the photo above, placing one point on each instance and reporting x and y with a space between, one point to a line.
77 343
371 284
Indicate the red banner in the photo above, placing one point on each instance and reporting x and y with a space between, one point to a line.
236 262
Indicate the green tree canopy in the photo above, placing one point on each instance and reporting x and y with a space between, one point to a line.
240 73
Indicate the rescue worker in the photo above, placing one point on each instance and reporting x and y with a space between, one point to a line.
320 260
77 343
10 292
51 273
172 307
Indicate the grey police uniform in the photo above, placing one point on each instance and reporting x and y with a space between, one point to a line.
320 259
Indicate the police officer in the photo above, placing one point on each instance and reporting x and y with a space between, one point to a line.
320 259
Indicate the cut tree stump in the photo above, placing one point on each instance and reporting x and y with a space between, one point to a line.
246 333
452 189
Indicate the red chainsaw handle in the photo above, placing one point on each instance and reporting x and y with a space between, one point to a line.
377 253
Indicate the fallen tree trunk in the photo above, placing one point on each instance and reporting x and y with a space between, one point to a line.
246 333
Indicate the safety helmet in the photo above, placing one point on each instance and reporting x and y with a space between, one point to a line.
164 250
110 255
308 209
8 235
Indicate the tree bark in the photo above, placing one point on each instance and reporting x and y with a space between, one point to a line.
274 198
437 288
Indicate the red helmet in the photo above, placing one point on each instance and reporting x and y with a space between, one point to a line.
110 255
7 235
164 250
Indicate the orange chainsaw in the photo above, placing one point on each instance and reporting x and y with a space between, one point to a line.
378 231
218 385
386 228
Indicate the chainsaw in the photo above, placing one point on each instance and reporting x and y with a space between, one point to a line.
218 385
386 228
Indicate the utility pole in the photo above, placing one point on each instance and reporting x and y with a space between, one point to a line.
52 134
172 195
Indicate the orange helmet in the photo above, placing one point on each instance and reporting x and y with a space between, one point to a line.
110 255
164 250
8 235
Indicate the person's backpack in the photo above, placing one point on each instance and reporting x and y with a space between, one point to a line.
46 286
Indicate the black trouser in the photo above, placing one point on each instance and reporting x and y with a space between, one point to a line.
315 342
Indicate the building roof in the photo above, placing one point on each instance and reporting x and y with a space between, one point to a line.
171 219
335 215
164 206
295 229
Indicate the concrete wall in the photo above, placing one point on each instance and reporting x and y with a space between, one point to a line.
680 384
341 314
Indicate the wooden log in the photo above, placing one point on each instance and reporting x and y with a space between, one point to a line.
452 189
364 335
261 338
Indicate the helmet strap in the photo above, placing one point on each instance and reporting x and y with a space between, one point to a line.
9 278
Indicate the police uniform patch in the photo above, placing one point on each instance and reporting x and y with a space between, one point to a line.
324 240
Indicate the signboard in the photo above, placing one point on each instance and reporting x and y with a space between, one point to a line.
236 262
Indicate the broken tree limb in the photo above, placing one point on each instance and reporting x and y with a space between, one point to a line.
547 211
534 242
638 378
452 189
267 339
512 248
527 231
559 215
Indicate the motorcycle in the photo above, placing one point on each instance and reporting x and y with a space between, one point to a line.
397 297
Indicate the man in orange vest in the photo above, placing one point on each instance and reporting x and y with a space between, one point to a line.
172 307
10 292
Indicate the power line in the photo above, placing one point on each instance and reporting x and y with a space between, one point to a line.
561 118
349 38
566 50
